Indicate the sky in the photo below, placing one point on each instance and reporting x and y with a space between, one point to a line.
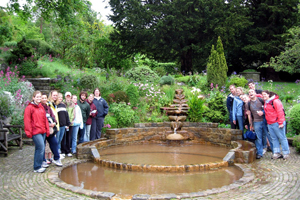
97 5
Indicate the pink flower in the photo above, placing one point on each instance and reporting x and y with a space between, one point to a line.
129 103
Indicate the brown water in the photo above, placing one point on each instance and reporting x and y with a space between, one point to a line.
94 177
158 154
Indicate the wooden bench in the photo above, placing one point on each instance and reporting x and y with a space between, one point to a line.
7 135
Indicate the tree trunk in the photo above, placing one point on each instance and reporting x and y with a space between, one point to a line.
186 62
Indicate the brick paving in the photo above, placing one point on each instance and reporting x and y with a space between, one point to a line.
274 179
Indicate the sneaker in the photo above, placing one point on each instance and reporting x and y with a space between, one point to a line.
57 162
264 151
269 149
69 155
285 156
48 162
258 156
45 165
277 156
40 170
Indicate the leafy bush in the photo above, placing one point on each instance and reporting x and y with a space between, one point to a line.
123 113
40 46
184 79
10 44
166 80
160 71
194 80
6 108
296 143
28 67
217 110
109 122
169 93
117 97
20 53
196 108
295 118
142 74
238 81
133 95
89 82
171 68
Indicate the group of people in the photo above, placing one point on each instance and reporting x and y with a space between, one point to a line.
262 112
54 124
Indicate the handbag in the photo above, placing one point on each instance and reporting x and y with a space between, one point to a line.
251 135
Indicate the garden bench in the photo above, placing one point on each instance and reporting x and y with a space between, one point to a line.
7 135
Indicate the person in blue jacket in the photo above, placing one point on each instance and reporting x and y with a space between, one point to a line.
102 111
237 109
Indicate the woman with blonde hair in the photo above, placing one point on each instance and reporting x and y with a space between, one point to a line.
37 127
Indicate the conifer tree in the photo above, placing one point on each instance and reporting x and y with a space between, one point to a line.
217 66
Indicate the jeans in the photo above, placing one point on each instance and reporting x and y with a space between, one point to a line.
82 134
87 133
97 125
39 152
278 137
240 123
260 133
74 138
59 136
53 146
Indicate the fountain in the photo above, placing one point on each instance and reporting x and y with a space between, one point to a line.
139 162
177 114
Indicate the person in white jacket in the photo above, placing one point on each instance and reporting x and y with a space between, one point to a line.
77 123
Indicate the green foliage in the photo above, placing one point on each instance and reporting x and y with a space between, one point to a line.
295 118
157 117
250 70
109 122
28 67
5 31
133 95
196 110
20 53
169 93
194 80
123 113
184 79
166 80
238 81
171 68
217 110
222 125
89 82
296 143
217 66
118 97
6 109
41 47
160 71
10 44
142 74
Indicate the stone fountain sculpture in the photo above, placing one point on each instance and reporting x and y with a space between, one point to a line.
177 114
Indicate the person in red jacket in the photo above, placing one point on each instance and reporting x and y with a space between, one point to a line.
275 117
37 127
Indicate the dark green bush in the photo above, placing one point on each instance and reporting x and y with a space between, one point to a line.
28 68
217 110
141 74
166 80
160 71
123 113
41 47
295 118
237 81
10 44
89 82
133 95
21 53
171 68
6 109
117 97
296 143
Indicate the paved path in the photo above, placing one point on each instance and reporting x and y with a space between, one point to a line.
275 179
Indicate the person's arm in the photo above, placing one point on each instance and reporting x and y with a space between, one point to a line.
106 107
234 111
88 110
279 110
27 122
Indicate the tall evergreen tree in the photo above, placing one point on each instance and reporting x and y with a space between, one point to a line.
217 66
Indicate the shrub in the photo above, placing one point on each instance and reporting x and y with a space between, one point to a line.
6 108
117 97
184 79
217 110
28 68
20 53
142 74
123 113
296 143
196 108
295 118
171 68
166 80
89 82
193 80
10 44
160 71
109 122
238 81
40 46
133 95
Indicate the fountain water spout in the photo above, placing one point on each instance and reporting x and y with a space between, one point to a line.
175 131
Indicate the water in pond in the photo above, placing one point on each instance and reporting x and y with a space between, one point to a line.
95 177
157 154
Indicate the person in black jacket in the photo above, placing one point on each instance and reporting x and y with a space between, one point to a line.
102 111
229 104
